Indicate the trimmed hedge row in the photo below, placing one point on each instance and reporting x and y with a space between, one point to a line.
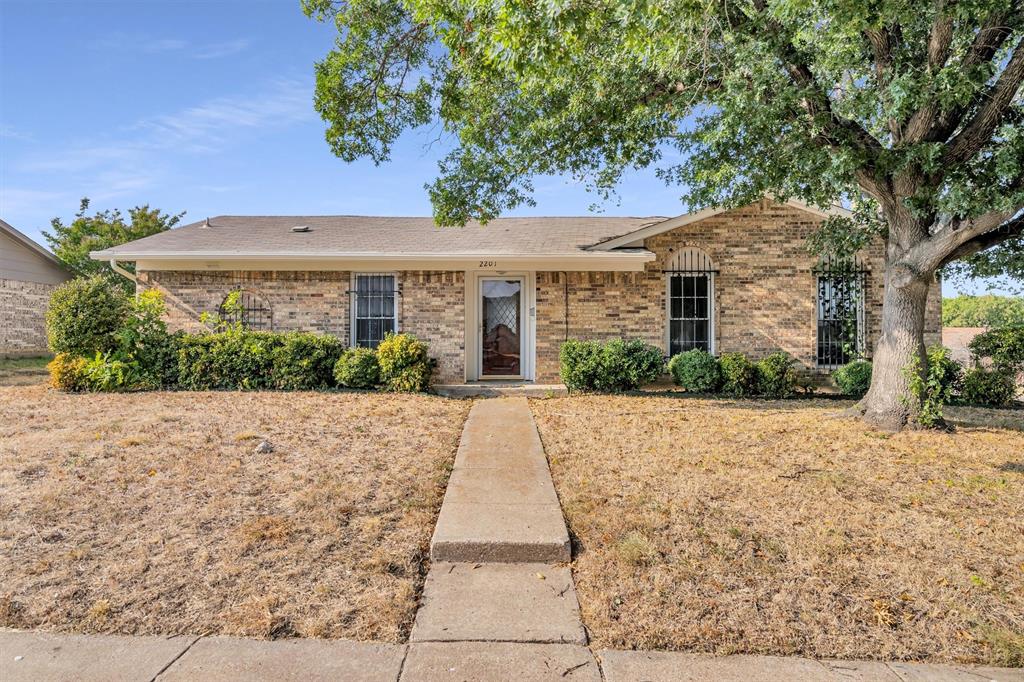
107 341
734 374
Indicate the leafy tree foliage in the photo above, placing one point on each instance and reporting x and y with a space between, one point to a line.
911 111
983 311
72 243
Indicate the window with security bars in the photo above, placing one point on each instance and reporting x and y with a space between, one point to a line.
840 315
690 312
248 308
374 308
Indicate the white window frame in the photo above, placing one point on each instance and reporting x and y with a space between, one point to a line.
712 312
353 302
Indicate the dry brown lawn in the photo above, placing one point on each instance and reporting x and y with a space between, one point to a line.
781 528
152 513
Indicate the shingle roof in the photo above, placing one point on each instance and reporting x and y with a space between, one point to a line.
364 235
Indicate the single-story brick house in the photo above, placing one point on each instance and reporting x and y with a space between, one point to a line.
497 301
28 275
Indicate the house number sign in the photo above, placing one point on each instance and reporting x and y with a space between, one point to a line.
488 264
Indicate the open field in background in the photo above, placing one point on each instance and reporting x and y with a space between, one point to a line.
780 528
152 513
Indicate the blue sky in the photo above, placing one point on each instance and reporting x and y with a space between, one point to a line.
204 107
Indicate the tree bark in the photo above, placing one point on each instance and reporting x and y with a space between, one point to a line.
887 404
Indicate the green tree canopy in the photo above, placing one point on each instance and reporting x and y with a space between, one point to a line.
72 243
983 311
909 110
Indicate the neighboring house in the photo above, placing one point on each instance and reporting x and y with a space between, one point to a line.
28 274
497 301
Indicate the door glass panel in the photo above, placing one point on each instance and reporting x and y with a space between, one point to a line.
502 316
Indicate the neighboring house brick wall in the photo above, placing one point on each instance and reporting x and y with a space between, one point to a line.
431 304
23 317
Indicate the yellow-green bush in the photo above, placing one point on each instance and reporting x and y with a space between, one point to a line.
67 372
404 363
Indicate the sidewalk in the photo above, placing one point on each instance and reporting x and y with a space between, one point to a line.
499 603
40 656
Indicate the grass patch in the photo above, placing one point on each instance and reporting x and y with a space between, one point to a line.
779 527
152 513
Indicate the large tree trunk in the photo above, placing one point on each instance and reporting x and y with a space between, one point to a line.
888 403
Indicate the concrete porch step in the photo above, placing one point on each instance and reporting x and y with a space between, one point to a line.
489 389
499 603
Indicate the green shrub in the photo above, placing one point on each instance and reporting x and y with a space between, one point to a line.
630 364
991 387
85 316
612 366
935 387
1004 346
853 378
696 371
227 360
404 363
105 374
67 373
739 375
305 362
776 377
144 343
357 368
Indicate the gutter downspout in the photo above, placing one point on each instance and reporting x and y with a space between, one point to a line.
121 271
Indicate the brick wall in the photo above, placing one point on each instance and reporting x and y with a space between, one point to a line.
431 304
765 290
433 307
23 317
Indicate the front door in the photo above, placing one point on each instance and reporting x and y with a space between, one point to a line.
501 328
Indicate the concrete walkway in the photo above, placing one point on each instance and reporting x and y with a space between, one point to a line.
498 604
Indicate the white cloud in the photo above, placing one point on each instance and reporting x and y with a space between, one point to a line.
147 44
207 126
225 49
145 154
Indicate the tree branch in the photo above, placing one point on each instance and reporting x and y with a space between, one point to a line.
1005 232
987 42
931 253
976 134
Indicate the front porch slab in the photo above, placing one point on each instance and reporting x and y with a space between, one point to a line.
488 389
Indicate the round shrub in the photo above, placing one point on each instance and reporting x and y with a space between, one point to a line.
776 377
627 365
67 373
696 370
404 363
612 366
1004 346
85 316
579 365
357 368
305 361
739 376
853 378
981 386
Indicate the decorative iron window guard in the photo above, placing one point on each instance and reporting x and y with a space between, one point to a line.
841 289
